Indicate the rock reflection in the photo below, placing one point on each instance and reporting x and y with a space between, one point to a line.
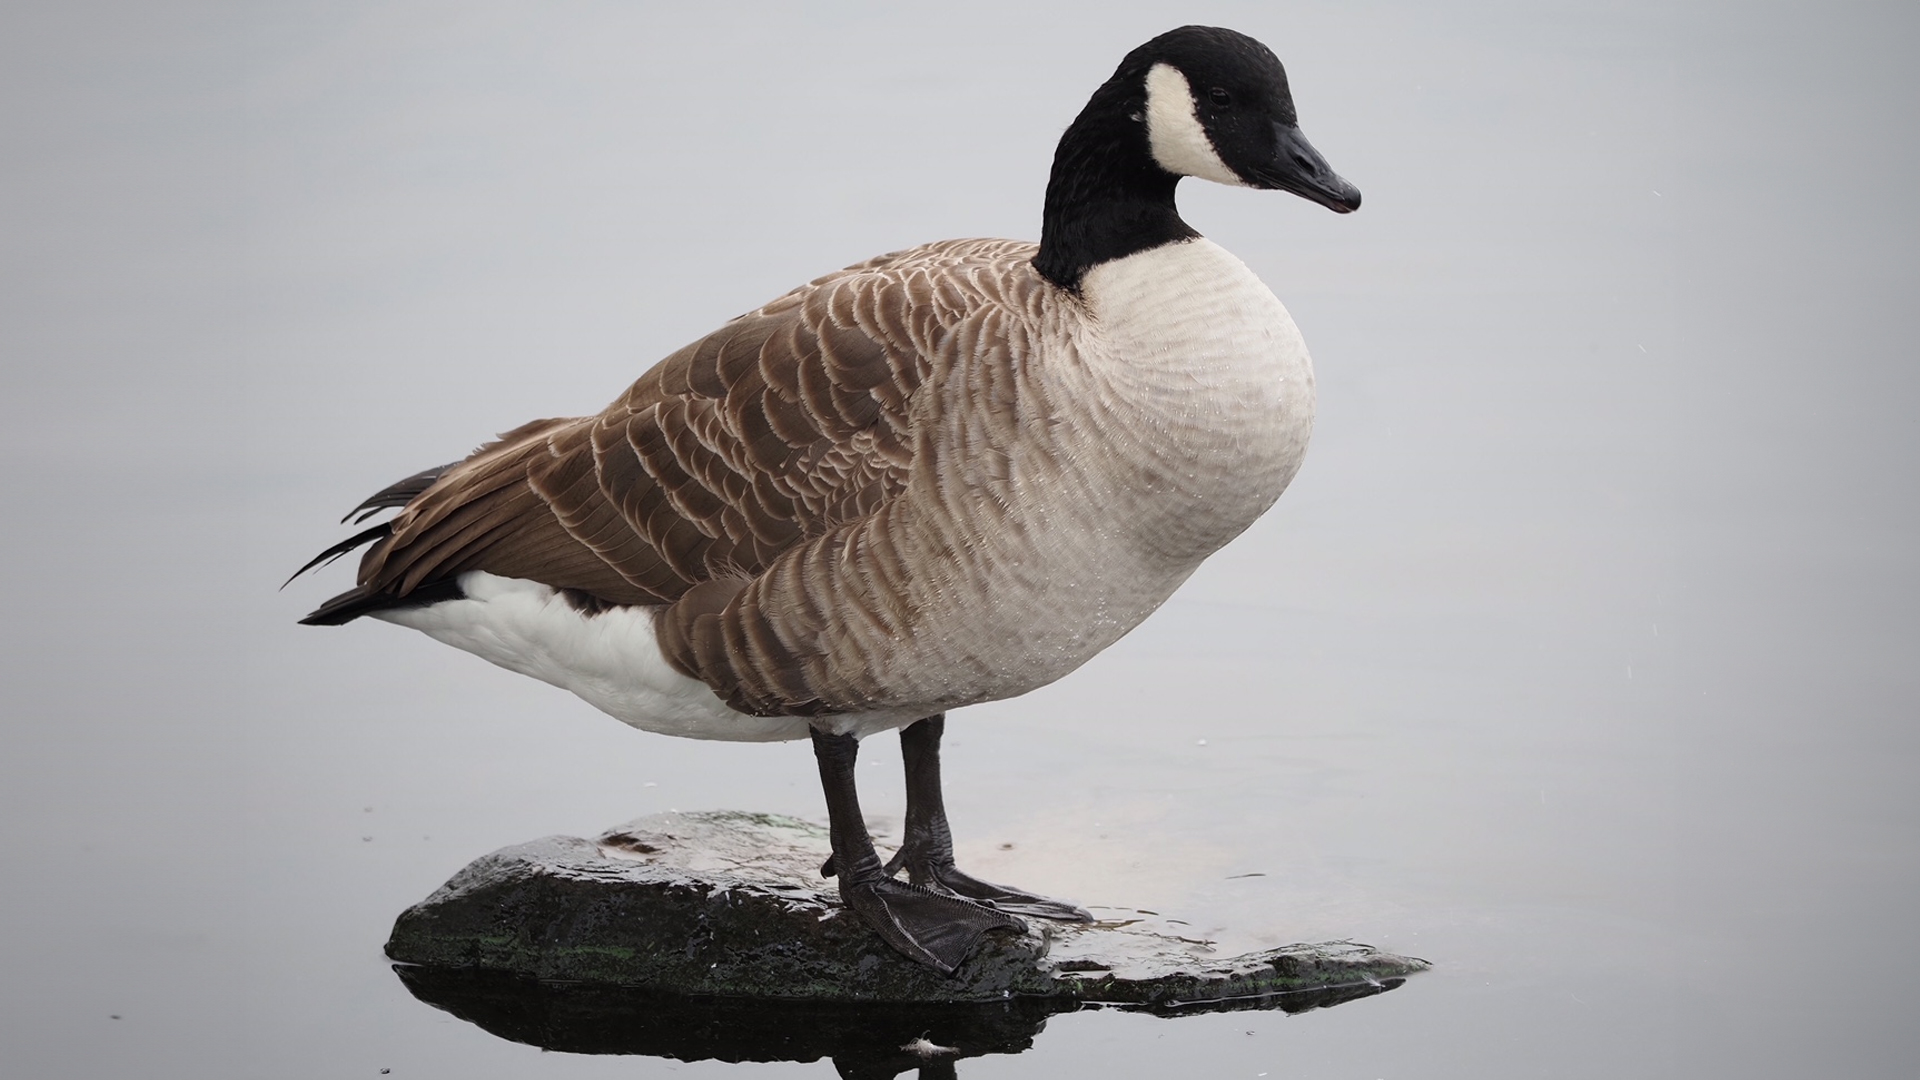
864 1041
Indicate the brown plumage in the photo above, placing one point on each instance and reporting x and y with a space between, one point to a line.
781 437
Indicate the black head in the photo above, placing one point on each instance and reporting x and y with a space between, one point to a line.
1217 106
1197 101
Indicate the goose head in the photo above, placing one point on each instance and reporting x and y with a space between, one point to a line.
1217 106
1198 101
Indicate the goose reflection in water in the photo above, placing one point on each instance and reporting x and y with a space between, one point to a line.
864 1042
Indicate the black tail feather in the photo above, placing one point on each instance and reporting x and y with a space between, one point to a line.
360 600
397 494
378 532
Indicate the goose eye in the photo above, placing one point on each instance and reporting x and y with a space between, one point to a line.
1220 97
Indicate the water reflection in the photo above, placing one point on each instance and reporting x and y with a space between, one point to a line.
864 1042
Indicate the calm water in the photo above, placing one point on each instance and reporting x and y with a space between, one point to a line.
1578 660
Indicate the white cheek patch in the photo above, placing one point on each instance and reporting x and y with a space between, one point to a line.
1180 145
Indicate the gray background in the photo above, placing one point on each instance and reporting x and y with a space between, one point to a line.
1578 660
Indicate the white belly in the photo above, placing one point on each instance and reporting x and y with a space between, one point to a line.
611 660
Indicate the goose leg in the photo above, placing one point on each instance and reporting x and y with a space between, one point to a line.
927 850
936 928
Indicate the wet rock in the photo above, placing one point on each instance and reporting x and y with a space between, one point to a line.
732 905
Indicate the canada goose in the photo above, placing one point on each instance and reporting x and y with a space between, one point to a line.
948 475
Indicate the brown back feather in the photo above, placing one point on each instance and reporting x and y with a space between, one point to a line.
780 427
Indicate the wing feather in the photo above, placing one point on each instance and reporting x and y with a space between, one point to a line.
746 484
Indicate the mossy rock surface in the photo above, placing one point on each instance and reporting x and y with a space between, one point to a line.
729 904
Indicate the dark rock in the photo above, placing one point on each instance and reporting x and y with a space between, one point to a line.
731 905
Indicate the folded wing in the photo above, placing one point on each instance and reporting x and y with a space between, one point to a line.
782 426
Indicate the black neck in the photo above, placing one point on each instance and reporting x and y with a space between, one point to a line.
1107 198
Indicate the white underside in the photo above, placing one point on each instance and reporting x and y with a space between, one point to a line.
610 660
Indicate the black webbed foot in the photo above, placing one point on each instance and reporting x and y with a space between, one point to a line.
946 877
930 926
934 928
